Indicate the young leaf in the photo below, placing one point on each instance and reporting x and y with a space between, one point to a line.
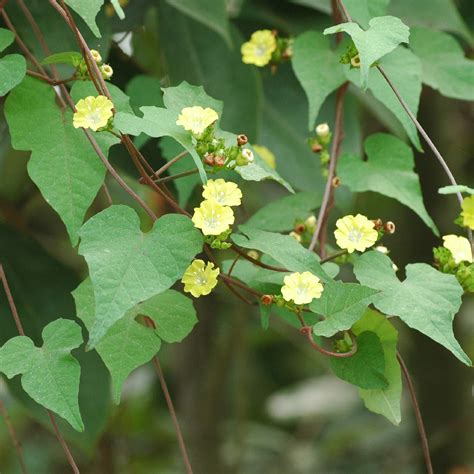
388 171
404 70
87 9
385 33
68 57
427 300
342 304
317 68
384 401
366 367
282 248
50 374
280 215
63 164
127 266
453 189
445 67
12 66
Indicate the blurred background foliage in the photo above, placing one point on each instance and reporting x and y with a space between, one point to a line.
249 401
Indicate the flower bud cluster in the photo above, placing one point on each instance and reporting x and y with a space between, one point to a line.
82 71
320 144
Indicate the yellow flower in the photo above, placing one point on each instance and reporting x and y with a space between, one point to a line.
266 155
296 236
222 192
106 71
199 279
301 288
96 55
468 212
196 119
355 233
459 247
259 49
93 112
212 218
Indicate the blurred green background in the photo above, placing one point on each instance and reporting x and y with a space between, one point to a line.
249 401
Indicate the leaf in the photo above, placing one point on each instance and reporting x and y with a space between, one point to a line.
362 11
211 13
127 266
427 300
87 10
384 401
342 304
404 70
68 57
63 163
385 33
50 374
366 367
282 248
317 68
452 189
280 215
12 66
444 66
436 14
118 9
388 171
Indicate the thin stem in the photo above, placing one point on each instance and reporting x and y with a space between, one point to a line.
21 331
308 332
13 437
170 163
167 179
256 262
239 284
419 419
333 256
335 148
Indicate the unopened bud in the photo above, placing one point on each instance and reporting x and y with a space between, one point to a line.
287 53
296 236
389 227
219 161
322 130
299 228
242 139
248 153
378 224
253 254
394 267
316 147
310 223
266 300
355 61
96 55
209 159
382 249
106 71
336 182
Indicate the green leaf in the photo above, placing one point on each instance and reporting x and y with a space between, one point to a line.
282 248
87 10
127 266
427 300
317 68
342 304
280 215
404 70
366 367
452 189
436 14
118 9
211 13
63 164
12 66
50 375
385 33
384 401
444 66
68 57
388 171
362 11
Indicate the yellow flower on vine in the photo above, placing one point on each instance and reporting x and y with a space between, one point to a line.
259 49
93 112
225 193
355 233
468 212
266 155
459 247
196 119
106 71
301 288
96 55
199 279
212 218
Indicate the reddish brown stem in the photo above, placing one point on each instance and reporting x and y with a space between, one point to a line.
308 332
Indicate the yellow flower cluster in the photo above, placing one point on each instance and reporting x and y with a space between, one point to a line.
459 247
215 215
93 112
301 288
259 49
196 119
468 212
355 233
199 279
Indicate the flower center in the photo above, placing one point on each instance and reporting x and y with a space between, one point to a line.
354 235
94 117
260 50
213 220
